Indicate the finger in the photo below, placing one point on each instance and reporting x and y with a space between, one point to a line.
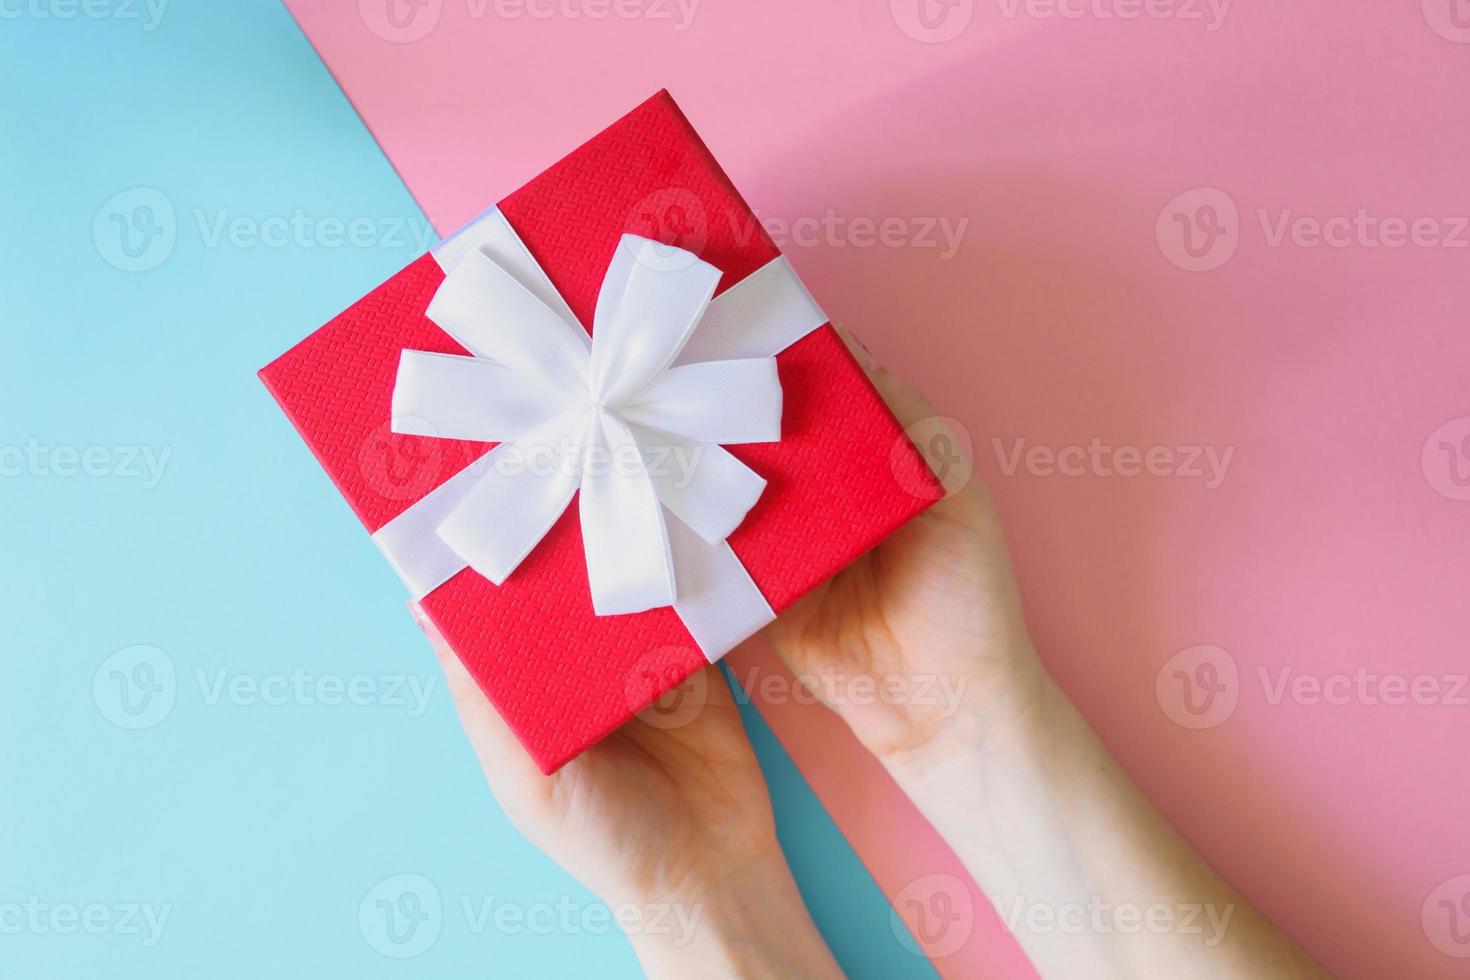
911 407
507 767
907 403
695 724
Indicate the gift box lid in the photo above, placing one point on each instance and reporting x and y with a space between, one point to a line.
843 476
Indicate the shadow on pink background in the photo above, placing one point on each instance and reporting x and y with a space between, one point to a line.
1244 647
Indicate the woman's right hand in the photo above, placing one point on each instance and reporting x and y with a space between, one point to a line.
930 619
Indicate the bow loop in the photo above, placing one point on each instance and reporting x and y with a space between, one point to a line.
721 402
651 300
494 316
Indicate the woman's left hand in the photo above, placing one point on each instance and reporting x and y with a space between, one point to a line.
667 817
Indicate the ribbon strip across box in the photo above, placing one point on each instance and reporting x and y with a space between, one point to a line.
603 433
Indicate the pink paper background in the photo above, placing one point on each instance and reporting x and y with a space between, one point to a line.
1336 545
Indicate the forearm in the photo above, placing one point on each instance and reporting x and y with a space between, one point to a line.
1090 878
751 924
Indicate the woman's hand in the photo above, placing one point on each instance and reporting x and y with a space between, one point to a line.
1011 775
934 604
668 818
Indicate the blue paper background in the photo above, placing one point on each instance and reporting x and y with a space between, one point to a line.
178 574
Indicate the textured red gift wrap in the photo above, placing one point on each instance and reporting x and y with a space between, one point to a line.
843 476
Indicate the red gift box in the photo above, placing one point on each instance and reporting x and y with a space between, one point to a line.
842 477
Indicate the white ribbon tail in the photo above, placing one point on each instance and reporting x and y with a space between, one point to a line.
519 495
746 406
447 396
628 564
703 485
411 542
759 316
492 314
718 601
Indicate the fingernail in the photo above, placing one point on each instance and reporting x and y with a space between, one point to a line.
419 619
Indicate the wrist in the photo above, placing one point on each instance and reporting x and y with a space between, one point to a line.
751 922
1003 716
988 787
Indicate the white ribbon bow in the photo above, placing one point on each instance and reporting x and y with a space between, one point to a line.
613 416
633 418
